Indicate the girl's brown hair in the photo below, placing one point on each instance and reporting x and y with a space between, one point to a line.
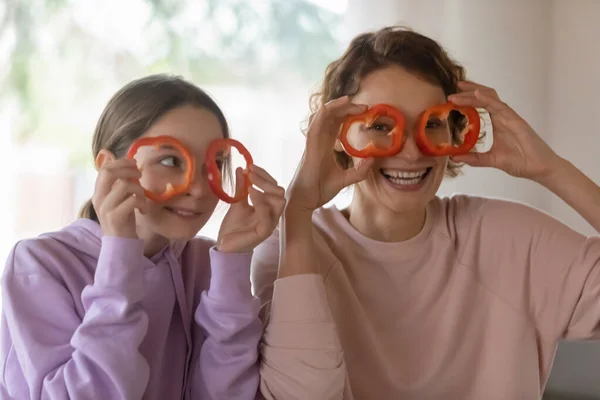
136 106
386 47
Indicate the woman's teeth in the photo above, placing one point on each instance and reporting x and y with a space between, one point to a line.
405 178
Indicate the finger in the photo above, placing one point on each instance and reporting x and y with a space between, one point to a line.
270 188
120 163
123 173
332 114
336 116
143 204
125 208
262 173
343 109
357 173
123 187
118 196
485 159
467 85
479 99
110 173
259 202
121 190
470 86
267 206
467 99
240 184
335 104
266 186
276 203
265 182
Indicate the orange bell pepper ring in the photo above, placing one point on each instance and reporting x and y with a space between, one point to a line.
470 132
215 178
368 118
171 189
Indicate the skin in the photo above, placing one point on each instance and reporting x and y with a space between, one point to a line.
124 211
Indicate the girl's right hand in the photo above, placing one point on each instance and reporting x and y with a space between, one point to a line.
319 178
116 195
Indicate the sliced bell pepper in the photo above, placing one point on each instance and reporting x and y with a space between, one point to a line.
172 189
215 178
470 132
368 118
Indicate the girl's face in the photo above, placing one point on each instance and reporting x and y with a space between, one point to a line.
182 216
407 181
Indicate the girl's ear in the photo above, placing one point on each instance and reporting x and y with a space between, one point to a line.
103 156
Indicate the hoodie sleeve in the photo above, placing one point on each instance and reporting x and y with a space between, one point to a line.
61 354
228 317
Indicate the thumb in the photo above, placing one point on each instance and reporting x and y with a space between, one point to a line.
240 184
358 172
475 159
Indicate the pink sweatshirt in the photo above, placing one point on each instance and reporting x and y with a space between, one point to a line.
89 317
470 308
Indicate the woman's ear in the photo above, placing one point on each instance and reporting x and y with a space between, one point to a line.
103 157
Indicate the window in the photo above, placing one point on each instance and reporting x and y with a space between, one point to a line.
63 60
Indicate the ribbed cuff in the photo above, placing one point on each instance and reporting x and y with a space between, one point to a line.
120 263
230 275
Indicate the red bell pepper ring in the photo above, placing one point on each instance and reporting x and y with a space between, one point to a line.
368 118
215 178
470 133
156 142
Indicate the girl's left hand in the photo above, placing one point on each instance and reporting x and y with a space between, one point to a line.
517 149
245 226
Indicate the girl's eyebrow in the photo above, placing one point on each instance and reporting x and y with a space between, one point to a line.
169 147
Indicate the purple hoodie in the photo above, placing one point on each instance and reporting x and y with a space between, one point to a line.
89 317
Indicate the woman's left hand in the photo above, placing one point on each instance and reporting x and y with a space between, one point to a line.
245 226
517 149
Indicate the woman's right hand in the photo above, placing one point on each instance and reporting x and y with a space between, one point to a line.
116 195
319 178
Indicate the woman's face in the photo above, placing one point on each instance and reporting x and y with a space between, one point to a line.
409 180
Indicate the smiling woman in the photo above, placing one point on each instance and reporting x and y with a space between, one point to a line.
420 296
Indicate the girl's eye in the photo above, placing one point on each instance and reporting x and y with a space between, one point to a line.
170 162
